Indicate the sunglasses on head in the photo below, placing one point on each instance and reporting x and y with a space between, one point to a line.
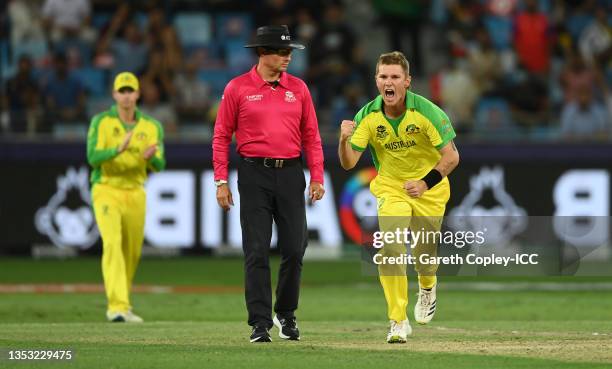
274 51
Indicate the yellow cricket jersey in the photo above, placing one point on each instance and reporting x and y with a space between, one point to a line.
127 169
405 149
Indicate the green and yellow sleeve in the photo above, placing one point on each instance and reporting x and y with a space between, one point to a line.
97 152
361 134
440 130
158 162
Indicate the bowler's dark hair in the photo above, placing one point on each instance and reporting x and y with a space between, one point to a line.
394 58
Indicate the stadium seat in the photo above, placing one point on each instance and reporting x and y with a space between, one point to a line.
100 20
195 131
544 134
299 63
238 58
6 66
493 119
70 131
208 51
77 51
96 105
37 50
233 26
216 79
142 20
94 81
193 28
500 30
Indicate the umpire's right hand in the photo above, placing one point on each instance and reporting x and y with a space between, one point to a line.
224 197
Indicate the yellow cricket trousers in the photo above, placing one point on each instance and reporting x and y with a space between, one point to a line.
397 210
120 215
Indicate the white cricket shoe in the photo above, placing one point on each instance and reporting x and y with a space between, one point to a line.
123 317
130 317
425 307
398 331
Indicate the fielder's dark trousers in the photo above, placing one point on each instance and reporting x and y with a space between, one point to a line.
268 194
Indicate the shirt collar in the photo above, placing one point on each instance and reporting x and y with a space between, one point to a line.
256 78
115 114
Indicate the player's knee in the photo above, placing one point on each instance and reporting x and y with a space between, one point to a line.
111 244
292 256
257 259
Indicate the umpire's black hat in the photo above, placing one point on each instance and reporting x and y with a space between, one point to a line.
276 37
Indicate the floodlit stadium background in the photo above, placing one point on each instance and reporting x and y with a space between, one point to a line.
529 97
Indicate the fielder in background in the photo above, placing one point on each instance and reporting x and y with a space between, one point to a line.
410 139
122 146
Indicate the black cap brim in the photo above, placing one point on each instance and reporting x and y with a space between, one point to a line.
278 46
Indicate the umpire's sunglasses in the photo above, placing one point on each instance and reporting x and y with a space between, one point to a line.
275 51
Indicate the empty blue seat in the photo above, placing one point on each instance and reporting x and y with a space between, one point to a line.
233 26
238 58
100 20
216 79
493 119
500 31
37 50
94 81
193 28
6 67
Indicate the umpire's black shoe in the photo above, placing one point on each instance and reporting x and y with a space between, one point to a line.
260 334
287 328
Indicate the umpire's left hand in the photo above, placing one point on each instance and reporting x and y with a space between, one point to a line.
224 197
315 192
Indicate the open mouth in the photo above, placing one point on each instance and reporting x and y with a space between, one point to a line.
389 93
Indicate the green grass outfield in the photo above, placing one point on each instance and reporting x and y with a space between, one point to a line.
342 319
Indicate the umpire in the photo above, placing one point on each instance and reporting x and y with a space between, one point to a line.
273 117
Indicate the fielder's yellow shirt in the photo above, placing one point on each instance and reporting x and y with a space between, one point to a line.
128 169
407 148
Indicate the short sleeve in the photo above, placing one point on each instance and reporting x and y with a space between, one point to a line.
361 137
440 130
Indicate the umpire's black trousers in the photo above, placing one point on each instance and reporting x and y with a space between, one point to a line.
267 194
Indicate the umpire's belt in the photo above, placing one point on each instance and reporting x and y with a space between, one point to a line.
274 163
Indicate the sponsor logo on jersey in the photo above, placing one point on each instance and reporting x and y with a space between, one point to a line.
381 132
258 97
399 145
446 127
289 97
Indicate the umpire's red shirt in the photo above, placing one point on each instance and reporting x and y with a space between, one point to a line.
269 122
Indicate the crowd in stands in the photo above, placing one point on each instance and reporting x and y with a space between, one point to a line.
502 69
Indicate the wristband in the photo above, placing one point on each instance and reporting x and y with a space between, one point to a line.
432 178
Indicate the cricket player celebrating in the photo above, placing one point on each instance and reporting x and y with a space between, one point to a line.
410 139
122 145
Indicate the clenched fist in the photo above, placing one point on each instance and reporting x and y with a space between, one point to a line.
346 129
415 189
